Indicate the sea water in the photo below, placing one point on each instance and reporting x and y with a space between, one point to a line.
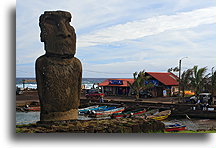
33 117
27 117
31 82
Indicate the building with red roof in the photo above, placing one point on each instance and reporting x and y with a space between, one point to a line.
165 83
116 82
166 78
116 86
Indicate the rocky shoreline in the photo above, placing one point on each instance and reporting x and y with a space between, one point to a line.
127 125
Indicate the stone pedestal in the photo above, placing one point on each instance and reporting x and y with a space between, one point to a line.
58 116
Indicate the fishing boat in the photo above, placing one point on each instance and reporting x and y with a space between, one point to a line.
87 108
150 113
100 110
92 108
106 113
107 109
137 112
36 108
95 106
174 127
160 116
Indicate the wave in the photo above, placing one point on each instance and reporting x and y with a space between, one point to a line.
32 86
31 83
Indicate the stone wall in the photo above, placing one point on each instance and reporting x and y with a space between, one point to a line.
127 125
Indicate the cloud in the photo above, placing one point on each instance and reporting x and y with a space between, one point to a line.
124 36
150 26
153 53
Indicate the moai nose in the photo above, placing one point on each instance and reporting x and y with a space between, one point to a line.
63 31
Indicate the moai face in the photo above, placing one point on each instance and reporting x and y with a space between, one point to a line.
57 34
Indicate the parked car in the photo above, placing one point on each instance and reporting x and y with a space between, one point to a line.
202 97
94 93
143 94
19 91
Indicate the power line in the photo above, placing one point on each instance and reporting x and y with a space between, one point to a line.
105 72
87 71
24 71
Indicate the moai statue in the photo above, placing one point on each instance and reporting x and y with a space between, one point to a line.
58 72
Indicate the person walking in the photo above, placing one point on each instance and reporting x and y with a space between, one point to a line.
101 100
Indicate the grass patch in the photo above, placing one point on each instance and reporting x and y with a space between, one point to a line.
19 130
26 125
205 132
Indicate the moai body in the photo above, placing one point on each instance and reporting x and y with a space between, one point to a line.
58 72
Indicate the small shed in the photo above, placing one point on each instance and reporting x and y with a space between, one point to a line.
116 87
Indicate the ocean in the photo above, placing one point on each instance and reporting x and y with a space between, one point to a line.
31 82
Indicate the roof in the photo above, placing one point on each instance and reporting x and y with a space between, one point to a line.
125 84
167 78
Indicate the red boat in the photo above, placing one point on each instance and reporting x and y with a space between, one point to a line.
36 108
175 127
138 112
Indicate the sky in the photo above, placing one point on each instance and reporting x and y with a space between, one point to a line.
115 38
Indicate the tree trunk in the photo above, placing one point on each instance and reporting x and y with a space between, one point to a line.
183 92
137 95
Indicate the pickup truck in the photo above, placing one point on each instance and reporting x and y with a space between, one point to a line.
94 94
202 97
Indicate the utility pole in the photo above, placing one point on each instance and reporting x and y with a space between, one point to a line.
179 90
23 83
179 80
212 93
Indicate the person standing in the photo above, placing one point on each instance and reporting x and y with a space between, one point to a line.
101 100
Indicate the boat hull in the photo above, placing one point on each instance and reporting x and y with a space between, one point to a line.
129 114
37 108
175 128
160 116
88 110
100 114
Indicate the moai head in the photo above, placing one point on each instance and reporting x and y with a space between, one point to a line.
57 34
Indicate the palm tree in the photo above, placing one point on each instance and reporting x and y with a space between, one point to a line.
140 83
185 80
214 81
213 85
198 79
175 69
